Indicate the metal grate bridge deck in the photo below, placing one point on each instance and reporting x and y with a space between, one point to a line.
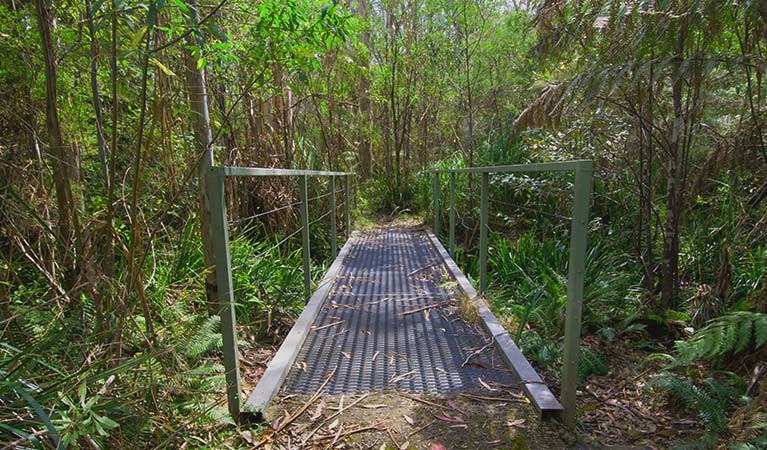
391 322
388 316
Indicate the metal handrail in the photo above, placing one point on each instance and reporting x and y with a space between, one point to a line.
576 267
215 188
554 166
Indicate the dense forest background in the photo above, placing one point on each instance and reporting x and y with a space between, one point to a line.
112 111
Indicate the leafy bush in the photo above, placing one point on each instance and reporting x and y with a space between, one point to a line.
529 281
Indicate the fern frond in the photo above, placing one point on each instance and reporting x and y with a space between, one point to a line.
205 338
732 332
707 400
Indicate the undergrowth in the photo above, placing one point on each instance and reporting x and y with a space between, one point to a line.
64 384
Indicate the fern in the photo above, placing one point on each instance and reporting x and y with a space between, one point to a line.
759 429
732 332
591 364
709 400
205 338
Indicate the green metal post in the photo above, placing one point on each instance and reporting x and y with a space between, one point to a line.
483 233
451 245
333 227
223 268
575 277
347 207
435 186
305 246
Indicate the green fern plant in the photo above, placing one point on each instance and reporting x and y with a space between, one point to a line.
759 433
710 399
591 364
733 332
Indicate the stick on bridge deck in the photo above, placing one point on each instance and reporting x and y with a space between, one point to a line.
386 317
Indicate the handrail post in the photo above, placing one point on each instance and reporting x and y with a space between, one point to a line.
435 186
451 242
305 246
347 207
333 227
483 233
575 279
223 268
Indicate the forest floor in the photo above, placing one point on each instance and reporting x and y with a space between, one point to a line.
616 411
395 420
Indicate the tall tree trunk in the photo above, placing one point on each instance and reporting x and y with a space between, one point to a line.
648 259
670 272
62 161
365 150
203 137
102 150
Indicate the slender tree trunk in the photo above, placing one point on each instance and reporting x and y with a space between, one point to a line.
648 259
200 117
365 151
100 141
670 275
62 161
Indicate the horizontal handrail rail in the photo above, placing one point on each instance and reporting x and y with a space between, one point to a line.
554 166
229 171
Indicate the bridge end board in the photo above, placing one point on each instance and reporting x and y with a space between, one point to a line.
274 375
536 390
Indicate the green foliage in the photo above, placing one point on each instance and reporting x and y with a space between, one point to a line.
529 281
545 352
590 363
733 333
83 417
711 398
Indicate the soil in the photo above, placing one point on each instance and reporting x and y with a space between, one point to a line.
392 420
620 409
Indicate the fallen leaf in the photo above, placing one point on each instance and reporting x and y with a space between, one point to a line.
248 437
318 411
333 425
452 404
449 419
516 423
485 385
375 406
475 364
438 447
347 355
408 420
404 445
401 377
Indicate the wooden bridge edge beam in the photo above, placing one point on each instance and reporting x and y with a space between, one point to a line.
541 397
